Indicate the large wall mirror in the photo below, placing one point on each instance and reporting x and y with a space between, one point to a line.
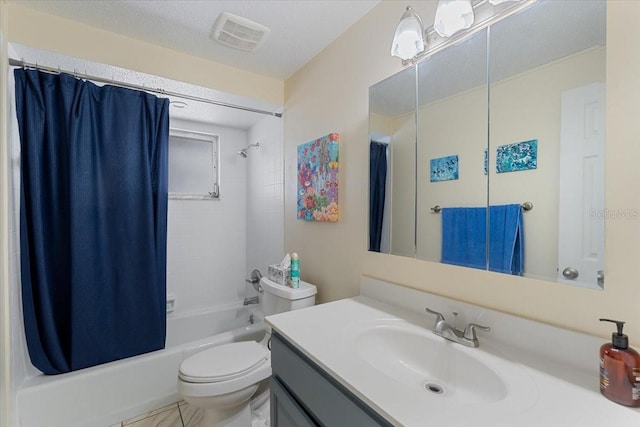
508 162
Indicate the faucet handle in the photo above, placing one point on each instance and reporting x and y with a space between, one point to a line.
470 330
439 316
255 280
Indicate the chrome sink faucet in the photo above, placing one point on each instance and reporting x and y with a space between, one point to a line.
467 337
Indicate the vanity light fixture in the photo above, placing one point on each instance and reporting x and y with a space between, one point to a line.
453 16
409 39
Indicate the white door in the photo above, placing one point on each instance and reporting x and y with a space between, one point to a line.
581 204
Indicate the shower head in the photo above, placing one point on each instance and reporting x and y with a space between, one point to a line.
243 153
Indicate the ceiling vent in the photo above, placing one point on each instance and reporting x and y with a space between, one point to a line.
238 32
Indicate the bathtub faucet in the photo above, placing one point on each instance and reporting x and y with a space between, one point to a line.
251 300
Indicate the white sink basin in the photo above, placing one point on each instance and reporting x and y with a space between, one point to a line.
424 364
429 363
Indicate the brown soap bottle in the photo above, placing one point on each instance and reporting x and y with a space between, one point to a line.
620 369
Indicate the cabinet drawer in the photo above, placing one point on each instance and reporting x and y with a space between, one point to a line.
330 403
285 411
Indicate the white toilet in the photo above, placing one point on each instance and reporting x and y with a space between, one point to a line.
222 380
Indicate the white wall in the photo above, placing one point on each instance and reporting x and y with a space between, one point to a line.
206 252
7 230
20 364
265 205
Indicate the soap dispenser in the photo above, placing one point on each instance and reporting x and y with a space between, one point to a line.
620 369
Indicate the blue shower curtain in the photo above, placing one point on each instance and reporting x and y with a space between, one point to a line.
93 218
377 186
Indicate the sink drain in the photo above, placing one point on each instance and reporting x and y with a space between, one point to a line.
434 388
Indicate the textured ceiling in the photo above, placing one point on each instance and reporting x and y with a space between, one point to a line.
299 29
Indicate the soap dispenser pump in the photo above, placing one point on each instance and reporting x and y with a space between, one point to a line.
620 369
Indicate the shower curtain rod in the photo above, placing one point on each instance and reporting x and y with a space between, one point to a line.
23 64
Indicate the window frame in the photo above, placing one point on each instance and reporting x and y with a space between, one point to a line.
215 162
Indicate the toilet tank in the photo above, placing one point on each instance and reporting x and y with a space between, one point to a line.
278 298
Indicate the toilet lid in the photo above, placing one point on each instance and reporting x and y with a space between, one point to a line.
224 362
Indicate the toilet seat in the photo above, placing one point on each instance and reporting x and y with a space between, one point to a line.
223 363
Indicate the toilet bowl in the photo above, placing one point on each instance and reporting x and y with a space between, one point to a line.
223 379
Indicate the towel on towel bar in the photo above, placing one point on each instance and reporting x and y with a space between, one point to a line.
506 239
464 238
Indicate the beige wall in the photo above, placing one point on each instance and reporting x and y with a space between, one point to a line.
402 195
330 94
401 131
381 124
49 32
466 116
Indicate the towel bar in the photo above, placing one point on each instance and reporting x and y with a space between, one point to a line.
526 206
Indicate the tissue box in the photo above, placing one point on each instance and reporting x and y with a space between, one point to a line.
278 274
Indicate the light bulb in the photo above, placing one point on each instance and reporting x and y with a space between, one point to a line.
453 16
408 40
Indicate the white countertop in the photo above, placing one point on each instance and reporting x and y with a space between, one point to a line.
559 395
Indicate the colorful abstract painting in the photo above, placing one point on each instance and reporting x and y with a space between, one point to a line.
444 168
318 179
517 157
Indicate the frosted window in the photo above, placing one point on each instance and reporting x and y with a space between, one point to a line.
193 165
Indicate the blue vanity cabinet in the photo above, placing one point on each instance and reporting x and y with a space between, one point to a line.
303 394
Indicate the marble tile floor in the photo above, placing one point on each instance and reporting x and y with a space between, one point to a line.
179 414
182 414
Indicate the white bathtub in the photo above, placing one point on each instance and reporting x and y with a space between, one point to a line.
104 395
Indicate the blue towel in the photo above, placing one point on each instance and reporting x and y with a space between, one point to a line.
464 238
506 239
